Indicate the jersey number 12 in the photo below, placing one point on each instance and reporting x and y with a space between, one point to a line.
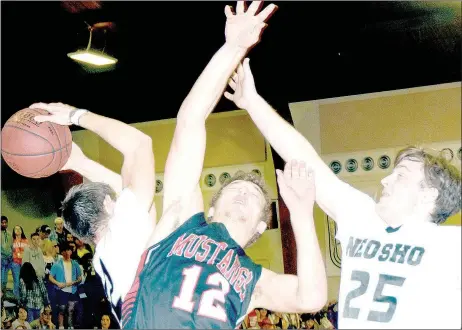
207 305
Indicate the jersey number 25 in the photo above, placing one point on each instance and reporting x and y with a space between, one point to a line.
207 306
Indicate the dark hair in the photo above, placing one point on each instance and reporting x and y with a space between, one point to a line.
65 246
4 217
23 236
45 229
28 275
83 209
442 176
34 234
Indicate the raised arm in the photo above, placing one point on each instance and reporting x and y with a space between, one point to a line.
306 291
136 147
286 140
185 160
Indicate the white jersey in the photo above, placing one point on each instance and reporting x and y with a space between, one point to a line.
405 278
118 252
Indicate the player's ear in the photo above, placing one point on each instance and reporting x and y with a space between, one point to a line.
261 227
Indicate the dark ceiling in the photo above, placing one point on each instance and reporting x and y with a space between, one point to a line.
310 50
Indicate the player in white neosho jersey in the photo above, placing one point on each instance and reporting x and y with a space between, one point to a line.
106 210
400 268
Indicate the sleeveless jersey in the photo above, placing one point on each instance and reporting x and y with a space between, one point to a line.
118 252
198 277
408 277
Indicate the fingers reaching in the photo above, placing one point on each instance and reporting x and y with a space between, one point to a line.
240 72
267 12
232 84
41 119
229 11
240 7
253 8
229 96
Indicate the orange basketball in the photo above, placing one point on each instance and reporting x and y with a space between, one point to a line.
33 149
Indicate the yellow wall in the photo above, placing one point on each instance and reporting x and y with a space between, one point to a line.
232 140
389 121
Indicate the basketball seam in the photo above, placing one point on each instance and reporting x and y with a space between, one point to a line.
59 142
22 129
47 153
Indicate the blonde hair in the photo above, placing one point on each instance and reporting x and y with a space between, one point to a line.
59 220
49 248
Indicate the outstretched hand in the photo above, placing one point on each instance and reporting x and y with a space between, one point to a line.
244 28
297 187
243 85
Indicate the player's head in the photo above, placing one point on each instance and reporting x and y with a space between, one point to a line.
421 186
87 209
242 204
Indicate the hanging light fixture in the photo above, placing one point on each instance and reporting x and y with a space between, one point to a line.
91 56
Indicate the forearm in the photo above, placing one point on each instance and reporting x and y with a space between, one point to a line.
96 172
282 136
121 136
312 281
209 87
52 280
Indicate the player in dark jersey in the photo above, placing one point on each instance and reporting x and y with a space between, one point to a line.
196 274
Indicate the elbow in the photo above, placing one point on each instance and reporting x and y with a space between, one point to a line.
314 304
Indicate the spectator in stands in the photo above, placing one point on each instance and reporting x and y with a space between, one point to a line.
44 322
105 322
20 242
7 251
34 255
59 234
32 294
44 232
21 321
65 274
81 249
50 255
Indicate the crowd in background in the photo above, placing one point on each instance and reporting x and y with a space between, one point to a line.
54 283
55 286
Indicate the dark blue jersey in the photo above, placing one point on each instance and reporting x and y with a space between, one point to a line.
198 277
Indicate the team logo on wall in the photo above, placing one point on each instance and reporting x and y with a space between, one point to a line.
351 165
447 154
384 162
459 154
334 248
224 176
367 164
335 166
210 180
257 172
159 186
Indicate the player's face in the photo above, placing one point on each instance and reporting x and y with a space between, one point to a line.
243 200
401 191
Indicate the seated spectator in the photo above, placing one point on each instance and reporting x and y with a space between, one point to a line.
20 322
20 242
65 274
32 294
34 255
105 322
44 322
59 234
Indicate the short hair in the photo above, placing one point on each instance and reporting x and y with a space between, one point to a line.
34 234
45 229
4 217
59 220
266 214
83 209
442 176
65 246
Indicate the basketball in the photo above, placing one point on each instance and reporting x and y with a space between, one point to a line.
33 149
